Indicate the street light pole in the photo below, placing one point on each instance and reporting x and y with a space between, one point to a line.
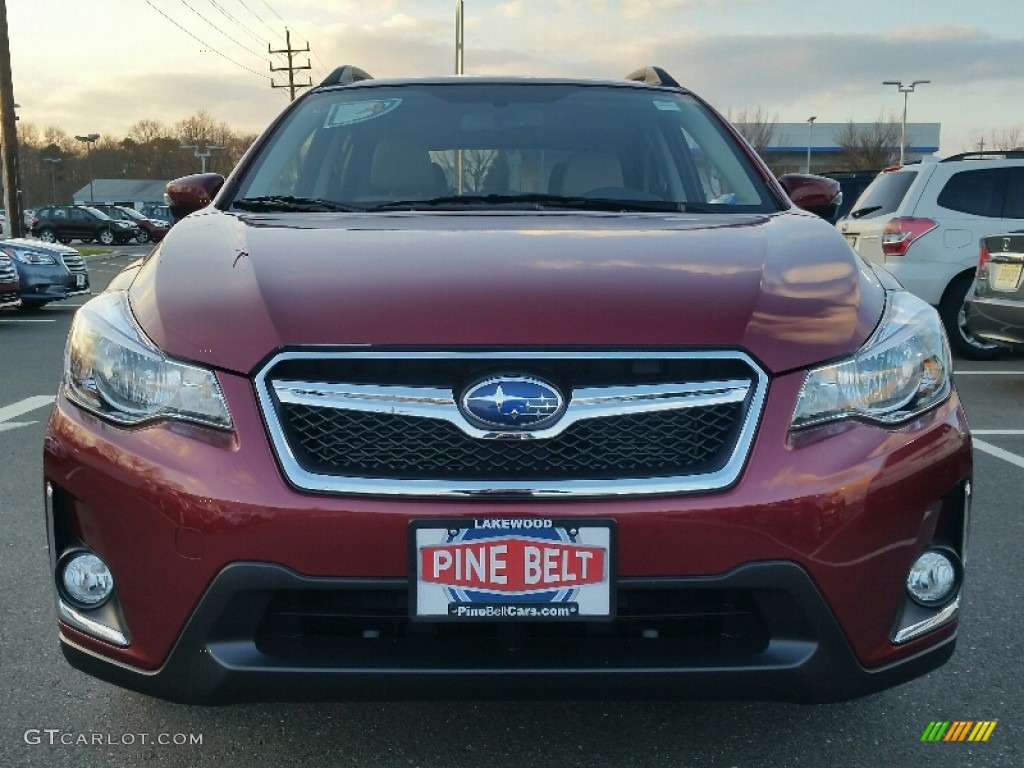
202 155
53 173
89 140
810 125
906 90
458 36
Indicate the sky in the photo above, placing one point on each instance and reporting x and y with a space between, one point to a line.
100 66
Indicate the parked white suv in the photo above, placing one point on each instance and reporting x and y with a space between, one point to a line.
922 222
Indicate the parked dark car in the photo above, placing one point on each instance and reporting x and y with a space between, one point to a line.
8 281
64 223
150 230
46 271
157 212
506 387
995 307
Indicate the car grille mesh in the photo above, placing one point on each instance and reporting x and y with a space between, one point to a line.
344 442
389 423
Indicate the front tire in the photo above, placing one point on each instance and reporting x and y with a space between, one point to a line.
954 316
106 237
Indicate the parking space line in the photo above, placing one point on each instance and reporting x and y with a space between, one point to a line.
997 431
27 320
24 406
988 373
999 453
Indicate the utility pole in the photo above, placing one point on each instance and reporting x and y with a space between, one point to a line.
292 68
9 132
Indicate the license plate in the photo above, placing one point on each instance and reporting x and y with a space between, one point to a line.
79 281
1006 277
511 569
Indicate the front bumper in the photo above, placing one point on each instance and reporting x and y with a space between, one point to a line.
248 589
998 320
43 283
240 645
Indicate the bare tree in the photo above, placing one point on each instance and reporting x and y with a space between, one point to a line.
151 150
757 127
475 165
870 146
1001 141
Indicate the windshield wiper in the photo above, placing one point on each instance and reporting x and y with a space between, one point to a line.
864 211
290 203
537 202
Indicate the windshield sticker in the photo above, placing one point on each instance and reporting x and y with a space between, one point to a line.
666 106
358 111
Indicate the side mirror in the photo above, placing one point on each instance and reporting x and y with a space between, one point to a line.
190 193
819 195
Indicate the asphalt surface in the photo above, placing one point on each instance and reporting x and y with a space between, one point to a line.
53 715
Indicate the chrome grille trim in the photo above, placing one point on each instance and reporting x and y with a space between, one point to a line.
584 403
74 263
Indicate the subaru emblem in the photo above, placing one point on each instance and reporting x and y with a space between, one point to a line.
512 402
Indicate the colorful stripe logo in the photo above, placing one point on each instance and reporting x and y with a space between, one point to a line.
959 730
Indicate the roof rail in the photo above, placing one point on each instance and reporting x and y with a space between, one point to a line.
1009 154
346 75
653 76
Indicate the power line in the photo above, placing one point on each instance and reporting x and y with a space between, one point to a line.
205 44
274 12
323 69
260 18
229 37
238 23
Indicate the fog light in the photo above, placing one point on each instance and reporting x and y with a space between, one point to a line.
933 578
86 579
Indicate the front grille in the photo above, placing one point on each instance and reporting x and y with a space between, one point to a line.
343 442
652 627
389 423
74 262
7 272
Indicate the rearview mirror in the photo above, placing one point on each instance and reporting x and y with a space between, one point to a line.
190 193
817 194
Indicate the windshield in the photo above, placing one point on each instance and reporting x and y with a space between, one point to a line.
502 145
883 195
96 212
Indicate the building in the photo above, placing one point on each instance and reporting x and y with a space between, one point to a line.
786 151
133 193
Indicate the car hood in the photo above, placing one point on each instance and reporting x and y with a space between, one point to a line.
228 290
29 244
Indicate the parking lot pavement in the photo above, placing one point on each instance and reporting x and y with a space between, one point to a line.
993 395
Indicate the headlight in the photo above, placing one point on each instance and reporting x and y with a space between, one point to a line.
32 257
113 370
902 371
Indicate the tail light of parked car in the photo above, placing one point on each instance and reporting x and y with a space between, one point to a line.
900 232
983 255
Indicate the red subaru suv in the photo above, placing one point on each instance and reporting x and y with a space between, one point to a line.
505 387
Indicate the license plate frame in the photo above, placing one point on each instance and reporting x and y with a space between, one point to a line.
555 569
79 281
